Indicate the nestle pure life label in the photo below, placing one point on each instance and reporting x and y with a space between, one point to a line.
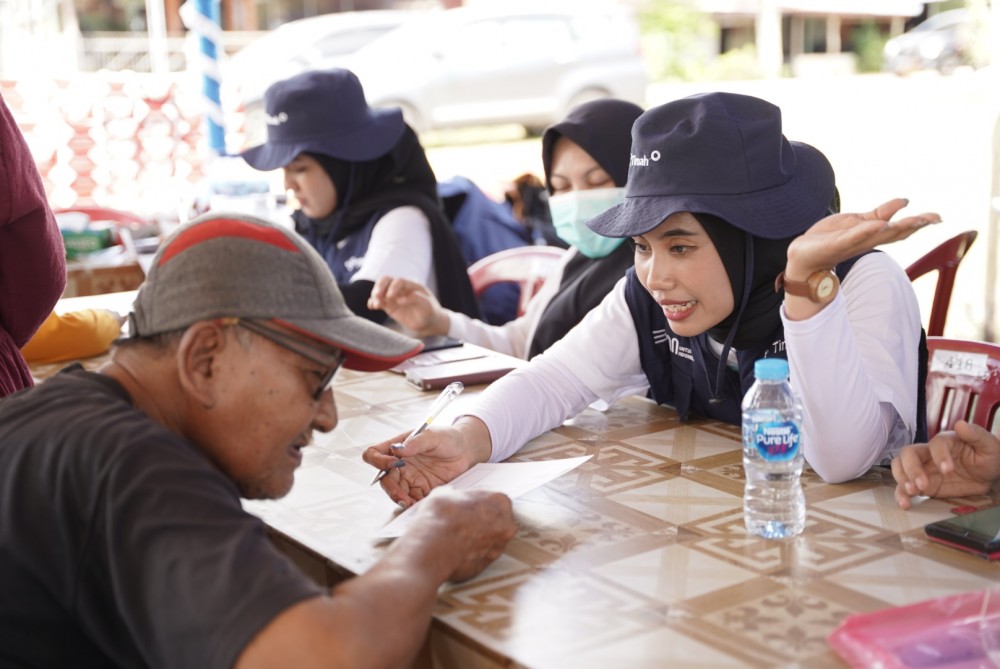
777 441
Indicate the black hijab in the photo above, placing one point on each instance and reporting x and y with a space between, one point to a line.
402 177
752 265
602 128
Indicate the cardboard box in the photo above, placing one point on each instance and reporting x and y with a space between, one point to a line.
91 279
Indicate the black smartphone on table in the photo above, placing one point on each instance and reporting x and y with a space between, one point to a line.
440 342
977 532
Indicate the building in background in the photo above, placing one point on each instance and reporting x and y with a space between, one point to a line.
785 36
806 34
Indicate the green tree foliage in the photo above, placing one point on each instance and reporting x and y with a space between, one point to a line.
868 45
678 39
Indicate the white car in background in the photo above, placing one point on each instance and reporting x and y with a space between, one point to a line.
504 62
297 46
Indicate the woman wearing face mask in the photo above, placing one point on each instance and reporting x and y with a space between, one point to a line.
585 157
367 195
737 257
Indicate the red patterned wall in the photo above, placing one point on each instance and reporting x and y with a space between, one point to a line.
122 140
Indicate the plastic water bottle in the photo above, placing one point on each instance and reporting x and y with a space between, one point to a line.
773 504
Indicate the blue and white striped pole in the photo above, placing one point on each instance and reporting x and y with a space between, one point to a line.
204 18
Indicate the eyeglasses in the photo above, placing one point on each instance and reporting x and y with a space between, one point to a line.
332 361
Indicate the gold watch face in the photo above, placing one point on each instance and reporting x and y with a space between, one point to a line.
825 287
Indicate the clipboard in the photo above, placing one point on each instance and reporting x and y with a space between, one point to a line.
471 372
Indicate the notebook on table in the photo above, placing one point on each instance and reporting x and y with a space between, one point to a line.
471 371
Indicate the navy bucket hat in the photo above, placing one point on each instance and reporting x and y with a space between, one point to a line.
722 154
323 112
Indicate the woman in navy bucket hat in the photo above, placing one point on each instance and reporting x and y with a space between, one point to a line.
738 256
367 194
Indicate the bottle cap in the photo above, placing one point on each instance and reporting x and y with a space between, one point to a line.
771 369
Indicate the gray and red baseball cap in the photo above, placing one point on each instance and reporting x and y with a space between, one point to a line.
224 265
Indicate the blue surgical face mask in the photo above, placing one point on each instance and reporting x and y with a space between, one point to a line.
572 210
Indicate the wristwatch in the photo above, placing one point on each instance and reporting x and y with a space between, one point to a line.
821 286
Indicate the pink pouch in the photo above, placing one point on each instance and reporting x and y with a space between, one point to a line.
954 632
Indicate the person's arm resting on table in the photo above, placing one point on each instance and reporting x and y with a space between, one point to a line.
554 386
77 334
957 463
379 619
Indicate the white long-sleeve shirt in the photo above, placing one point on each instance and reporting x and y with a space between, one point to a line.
854 365
514 337
400 246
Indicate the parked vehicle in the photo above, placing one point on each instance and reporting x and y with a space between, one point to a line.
942 43
500 63
297 46
503 63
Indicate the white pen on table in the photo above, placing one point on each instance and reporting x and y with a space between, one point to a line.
451 391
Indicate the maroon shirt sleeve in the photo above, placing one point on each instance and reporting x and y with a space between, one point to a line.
32 256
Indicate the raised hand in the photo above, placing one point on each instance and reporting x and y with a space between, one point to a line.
841 236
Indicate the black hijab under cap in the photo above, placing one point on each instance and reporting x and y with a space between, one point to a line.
751 274
752 265
602 128
401 177
757 265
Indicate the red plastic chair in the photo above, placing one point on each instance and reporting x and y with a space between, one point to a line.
944 260
963 383
525 265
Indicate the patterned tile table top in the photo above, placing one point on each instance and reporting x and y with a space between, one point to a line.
639 557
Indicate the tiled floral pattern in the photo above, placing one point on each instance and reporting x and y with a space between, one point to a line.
639 558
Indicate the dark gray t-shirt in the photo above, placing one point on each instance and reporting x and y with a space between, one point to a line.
121 544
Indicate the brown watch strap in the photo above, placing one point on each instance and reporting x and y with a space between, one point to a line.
821 286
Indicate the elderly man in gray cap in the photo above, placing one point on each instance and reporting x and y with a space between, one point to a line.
121 529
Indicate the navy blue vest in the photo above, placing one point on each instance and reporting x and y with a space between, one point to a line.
344 257
679 368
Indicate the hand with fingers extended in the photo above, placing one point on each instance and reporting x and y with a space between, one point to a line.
468 529
960 463
841 236
433 458
411 305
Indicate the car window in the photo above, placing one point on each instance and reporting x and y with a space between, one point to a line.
349 41
477 42
941 21
538 35
609 30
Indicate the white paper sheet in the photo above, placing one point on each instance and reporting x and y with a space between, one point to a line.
511 478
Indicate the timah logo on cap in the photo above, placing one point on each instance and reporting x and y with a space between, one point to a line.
278 119
636 161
